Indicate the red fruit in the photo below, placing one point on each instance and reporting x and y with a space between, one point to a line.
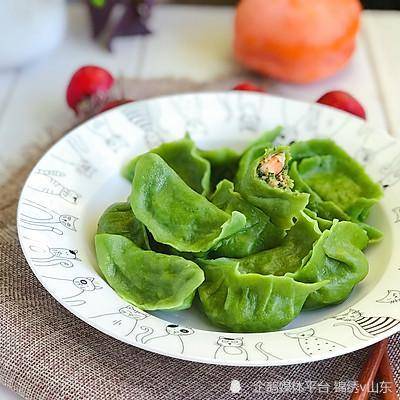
249 87
343 101
114 103
87 82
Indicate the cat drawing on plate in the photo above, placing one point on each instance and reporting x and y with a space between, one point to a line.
312 345
42 218
102 129
78 157
125 318
363 326
46 256
392 296
149 121
230 349
171 339
47 184
77 286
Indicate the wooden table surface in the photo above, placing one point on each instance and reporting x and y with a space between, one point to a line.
188 41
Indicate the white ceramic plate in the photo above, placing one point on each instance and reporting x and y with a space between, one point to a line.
79 177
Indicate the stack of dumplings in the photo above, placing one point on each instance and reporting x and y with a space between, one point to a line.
258 236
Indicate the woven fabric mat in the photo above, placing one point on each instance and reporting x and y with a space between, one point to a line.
48 353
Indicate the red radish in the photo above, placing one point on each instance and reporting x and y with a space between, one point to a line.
87 82
114 103
248 86
343 101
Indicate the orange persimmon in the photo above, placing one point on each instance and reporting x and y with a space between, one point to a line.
296 40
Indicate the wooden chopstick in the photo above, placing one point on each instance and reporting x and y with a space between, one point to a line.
369 371
385 374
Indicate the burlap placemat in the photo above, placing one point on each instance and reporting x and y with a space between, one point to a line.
48 353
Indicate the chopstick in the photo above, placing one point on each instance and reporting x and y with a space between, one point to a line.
369 371
385 374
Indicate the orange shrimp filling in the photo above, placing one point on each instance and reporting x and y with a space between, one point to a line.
273 163
272 170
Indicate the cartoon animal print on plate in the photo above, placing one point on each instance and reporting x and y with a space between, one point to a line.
230 349
365 327
148 122
249 113
392 296
80 285
312 345
172 340
331 126
190 109
45 219
396 211
102 129
50 172
266 354
52 256
45 183
390 172
126 317
226 108
306 124
367 152
79 159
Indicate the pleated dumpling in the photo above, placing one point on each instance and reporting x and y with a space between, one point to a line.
259 232
149 280
118 219
242 301
337 257
185 159
253 294
338 185
174 213
263 180
224 164
288 256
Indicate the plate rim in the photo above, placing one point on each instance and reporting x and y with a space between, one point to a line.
206 360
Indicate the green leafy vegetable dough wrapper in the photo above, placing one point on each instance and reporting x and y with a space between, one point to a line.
259 235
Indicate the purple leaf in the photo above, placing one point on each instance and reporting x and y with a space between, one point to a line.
132 21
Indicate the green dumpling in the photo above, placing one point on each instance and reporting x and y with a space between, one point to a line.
323 224
185 159
374 234
262 179
289 255
338 185
149 280
224 163
242 301
174 213
258 234
337 257
326 210
119 219
253 294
